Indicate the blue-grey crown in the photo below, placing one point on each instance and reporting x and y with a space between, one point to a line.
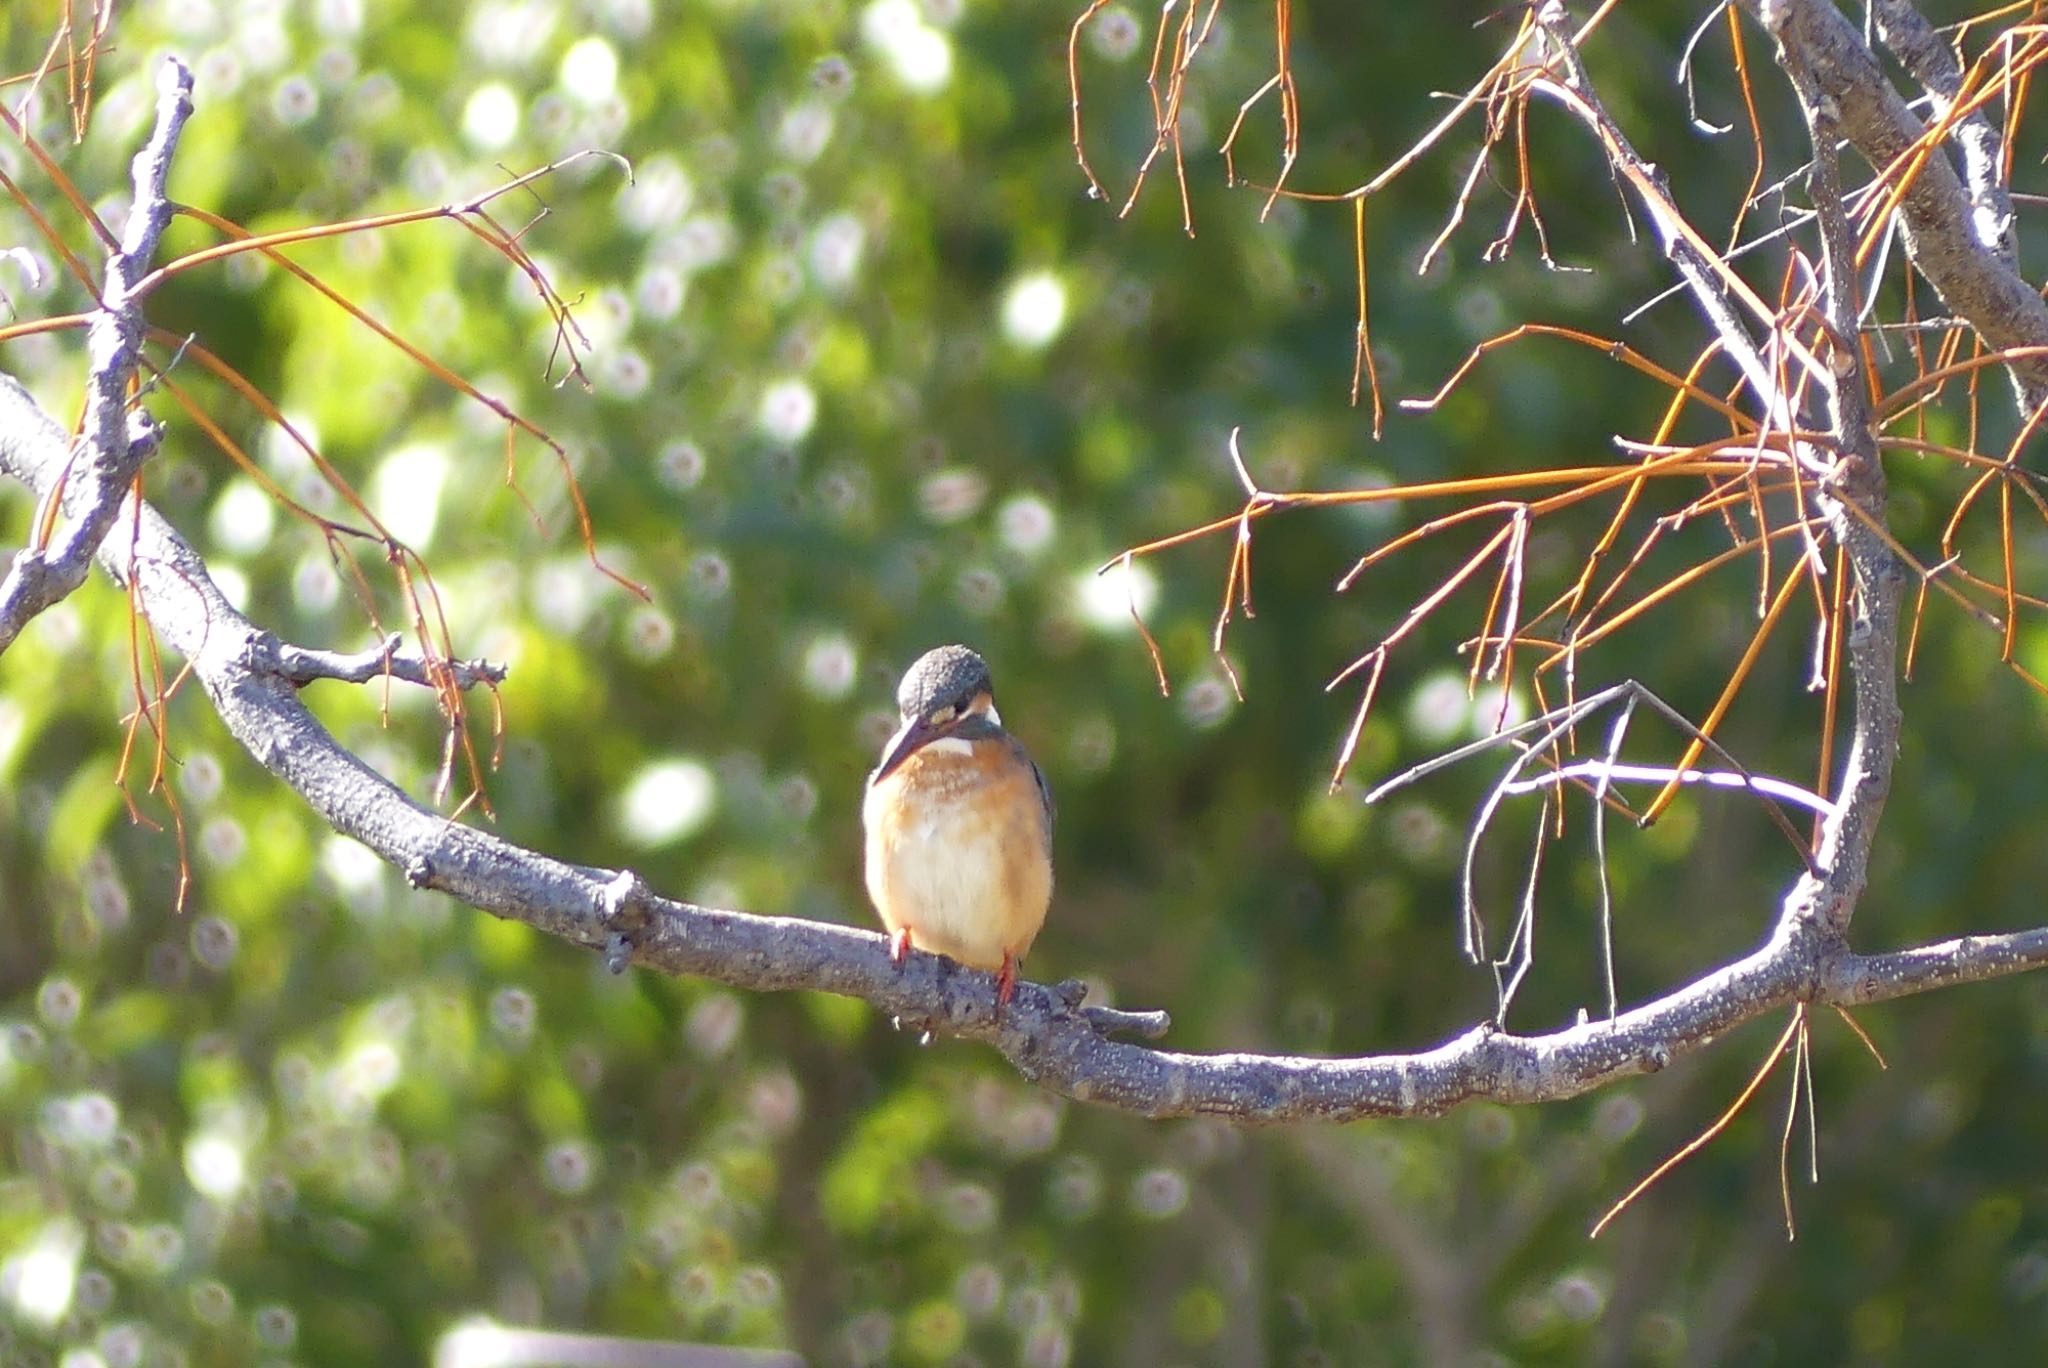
946 675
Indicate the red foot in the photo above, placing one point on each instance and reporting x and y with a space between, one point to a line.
899 946
1006 982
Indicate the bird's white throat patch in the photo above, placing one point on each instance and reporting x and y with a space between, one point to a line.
950 745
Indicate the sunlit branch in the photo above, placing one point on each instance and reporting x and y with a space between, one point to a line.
303 665
1973 282
1045 1036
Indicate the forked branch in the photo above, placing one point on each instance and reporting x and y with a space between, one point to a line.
111 448
1811 435
1049 1039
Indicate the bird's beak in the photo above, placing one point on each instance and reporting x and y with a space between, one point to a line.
911 737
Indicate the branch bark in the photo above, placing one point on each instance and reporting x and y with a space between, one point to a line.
1050 1040
302 665
1933 64
1976 282
253 683
110 450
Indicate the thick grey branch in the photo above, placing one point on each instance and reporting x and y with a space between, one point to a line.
1967 959
1933 64
109 451
1825 897
1855 477
1044 1034
1973 280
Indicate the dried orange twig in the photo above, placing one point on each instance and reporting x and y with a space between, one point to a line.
1705 1137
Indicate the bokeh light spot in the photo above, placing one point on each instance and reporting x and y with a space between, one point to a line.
40 1279
1027 524
1107 599
788 409
215 1165
590 71
831 665
406 492
667 801
918 54
243 518
490 117
1034 309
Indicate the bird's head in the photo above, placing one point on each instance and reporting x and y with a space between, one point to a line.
947 692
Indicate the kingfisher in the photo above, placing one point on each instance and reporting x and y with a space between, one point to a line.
959 824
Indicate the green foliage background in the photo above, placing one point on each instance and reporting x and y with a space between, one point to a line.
438 1116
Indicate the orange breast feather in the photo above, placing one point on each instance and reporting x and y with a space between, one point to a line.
958 852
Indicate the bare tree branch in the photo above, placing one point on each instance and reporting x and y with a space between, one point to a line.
1047 1038
1705 278
109 451
1933 64
1976 283
302 665
253 683
1967 959
1856 475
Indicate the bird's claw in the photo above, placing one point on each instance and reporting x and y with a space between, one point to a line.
1006 982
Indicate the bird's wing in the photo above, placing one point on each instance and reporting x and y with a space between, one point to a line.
1046 806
